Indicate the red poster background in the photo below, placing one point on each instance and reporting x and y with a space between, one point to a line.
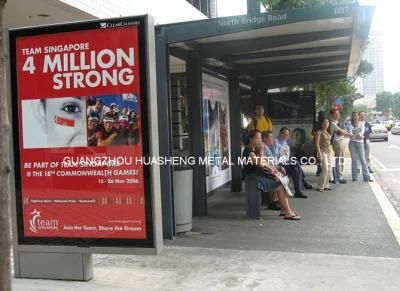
55 205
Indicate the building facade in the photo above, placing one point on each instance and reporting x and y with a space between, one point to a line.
207 7
374 83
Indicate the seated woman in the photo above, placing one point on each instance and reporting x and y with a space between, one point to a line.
268 182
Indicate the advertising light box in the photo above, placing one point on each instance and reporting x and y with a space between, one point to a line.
80 122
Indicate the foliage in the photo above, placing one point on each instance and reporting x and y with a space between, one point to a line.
387 100
365 68
361 107
271 5
327 93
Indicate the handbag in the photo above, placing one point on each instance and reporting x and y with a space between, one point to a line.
264 172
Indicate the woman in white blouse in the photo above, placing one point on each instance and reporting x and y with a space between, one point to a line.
356 146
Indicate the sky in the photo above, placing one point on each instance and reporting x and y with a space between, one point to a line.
386 19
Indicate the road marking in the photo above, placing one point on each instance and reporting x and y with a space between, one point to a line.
390 170
377 162
390 213
392 146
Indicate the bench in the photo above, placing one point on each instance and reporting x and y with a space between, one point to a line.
253 197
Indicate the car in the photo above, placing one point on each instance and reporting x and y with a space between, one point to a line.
395 129
388 125
379 131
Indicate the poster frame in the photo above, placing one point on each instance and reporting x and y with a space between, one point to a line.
226 173
153 242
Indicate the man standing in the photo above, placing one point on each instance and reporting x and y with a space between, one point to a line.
367 132
261 122
281 150
338 145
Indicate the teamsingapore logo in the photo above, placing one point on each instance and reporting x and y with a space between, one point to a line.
37 222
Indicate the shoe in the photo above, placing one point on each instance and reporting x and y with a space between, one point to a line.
329 189
332 181
370 170
320 190
274 206
370 180
307 186
354 180
283 214
294 217
300 195
343 181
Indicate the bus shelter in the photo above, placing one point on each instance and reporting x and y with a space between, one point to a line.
251 53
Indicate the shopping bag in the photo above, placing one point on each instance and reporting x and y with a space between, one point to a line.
285 183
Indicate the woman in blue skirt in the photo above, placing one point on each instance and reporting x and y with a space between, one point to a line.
267 182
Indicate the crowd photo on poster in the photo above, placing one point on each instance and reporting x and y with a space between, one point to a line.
107 120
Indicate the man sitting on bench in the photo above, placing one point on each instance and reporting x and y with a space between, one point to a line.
281 151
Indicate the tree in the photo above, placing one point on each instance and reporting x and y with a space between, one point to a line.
365 68
5 244
387 101
362 107
271 5
327 93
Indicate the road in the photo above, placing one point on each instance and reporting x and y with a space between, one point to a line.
385 158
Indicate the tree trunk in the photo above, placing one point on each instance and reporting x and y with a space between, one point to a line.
5 244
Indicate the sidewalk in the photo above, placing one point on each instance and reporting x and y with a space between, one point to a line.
347 221
185 269
342 243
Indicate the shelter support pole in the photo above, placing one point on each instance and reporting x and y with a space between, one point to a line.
164 130
195 101
235 129
253 7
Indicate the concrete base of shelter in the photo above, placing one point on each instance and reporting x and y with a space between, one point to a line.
343 242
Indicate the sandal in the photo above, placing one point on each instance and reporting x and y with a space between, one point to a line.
283 214
329 189
320 190
294 217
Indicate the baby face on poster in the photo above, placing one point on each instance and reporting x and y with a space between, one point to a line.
64 121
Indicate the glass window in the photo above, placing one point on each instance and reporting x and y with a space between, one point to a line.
180 116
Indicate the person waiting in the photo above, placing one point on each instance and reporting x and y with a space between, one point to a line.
322 144
281 150
268 140
261 122
356 147
338 145
267 181
367 143
321 116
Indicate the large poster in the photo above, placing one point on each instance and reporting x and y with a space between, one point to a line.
216 131
79 98
295 110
